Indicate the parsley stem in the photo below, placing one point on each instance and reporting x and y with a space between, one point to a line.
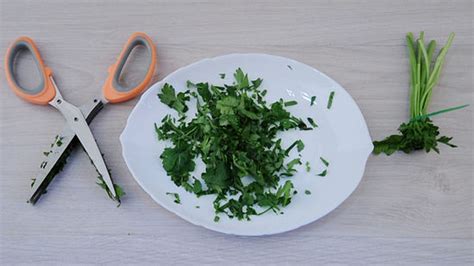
440 112
263 212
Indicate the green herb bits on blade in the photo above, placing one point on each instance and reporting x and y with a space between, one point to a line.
234 133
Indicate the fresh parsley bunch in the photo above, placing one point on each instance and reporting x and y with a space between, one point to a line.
420 133
234 132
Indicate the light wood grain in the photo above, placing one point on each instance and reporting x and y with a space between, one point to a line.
415 209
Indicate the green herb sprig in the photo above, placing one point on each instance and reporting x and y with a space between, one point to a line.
419 133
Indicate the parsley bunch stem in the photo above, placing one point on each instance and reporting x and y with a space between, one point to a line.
424 72
419 133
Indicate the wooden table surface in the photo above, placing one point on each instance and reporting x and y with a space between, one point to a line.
407 209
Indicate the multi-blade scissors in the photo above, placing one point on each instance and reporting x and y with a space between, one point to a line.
77 118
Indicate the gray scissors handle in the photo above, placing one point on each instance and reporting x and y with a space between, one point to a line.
61 148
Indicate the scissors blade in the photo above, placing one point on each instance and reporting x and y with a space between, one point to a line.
51 165
78 124
59 151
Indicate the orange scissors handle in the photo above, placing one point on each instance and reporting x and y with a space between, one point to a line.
45 91
113 91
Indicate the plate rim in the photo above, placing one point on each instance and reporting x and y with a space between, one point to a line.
188 218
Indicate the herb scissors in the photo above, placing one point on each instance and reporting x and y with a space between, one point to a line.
77 118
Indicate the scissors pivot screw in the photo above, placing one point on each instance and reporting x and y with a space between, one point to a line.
59 101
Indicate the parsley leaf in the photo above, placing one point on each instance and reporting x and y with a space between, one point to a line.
415 135
256 83
241 79
178 102
178 161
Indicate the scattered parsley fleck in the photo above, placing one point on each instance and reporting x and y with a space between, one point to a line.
216 218
323 173
197 207
307 192
58 141
311 122
290 103
189 84
176 200
33 180
331 98
43 164
55 139
222 75
313 98
299 145
289 67
325 162
308 167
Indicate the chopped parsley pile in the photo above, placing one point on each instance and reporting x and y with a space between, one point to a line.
234 132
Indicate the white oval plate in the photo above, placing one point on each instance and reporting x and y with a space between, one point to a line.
342 138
